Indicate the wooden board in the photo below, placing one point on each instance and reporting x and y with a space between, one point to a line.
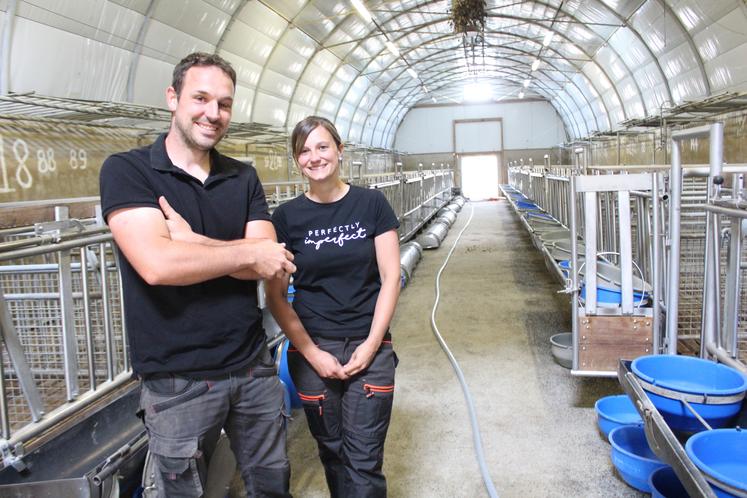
604 340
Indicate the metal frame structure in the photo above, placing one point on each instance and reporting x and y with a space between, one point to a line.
617 226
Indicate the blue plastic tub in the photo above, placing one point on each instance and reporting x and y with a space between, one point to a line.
691 376
665 484
613 297
284 374
291 293
721 454
527 205
632 457
615 411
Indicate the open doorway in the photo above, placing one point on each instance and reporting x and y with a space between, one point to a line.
479 174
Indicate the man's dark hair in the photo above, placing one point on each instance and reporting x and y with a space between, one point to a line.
200 59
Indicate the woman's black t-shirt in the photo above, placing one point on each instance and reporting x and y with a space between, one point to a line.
337 281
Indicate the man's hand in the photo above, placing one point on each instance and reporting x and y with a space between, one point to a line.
271 260
178 227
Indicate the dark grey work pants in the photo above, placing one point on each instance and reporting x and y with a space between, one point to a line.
184 418
349 419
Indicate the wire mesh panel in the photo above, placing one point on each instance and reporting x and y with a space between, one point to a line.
692 254
33 289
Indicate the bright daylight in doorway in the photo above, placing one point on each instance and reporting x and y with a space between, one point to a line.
480 177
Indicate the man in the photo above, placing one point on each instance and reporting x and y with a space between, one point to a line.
194 328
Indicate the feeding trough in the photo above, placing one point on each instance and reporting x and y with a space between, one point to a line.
532 216
632 456
721 455
550 236
612 273
561 249
615 411
691 392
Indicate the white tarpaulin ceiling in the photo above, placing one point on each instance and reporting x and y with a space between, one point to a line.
607 62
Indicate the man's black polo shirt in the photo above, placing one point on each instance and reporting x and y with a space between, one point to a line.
198 330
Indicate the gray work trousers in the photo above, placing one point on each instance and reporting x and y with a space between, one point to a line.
184 417
349 419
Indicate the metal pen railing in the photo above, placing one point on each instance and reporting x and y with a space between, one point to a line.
62 329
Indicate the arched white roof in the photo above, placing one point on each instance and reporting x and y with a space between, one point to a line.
608 62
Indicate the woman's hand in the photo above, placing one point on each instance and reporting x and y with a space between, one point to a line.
361 357
326 365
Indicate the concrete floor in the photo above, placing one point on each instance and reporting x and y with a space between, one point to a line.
498 309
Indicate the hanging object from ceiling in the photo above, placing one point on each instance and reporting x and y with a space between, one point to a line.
468 16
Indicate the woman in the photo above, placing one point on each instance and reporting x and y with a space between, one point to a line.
346 248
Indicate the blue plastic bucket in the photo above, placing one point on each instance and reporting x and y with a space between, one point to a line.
632 457
665 484
291 293
614 296
527 205
615 411
284 374
686 375
721 454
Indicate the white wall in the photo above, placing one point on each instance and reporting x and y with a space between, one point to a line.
526 125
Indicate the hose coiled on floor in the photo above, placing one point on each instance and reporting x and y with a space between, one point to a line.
490 487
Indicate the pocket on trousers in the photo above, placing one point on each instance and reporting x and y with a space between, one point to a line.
373 409
173 456
322 420
168 393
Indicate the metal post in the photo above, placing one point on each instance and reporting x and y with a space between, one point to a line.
67 314
574 272
711 297
87 317
656 263
673 285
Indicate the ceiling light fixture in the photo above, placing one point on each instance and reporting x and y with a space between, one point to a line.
412 73
362 10
392 48
535 64
548 38
521 94
526 82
